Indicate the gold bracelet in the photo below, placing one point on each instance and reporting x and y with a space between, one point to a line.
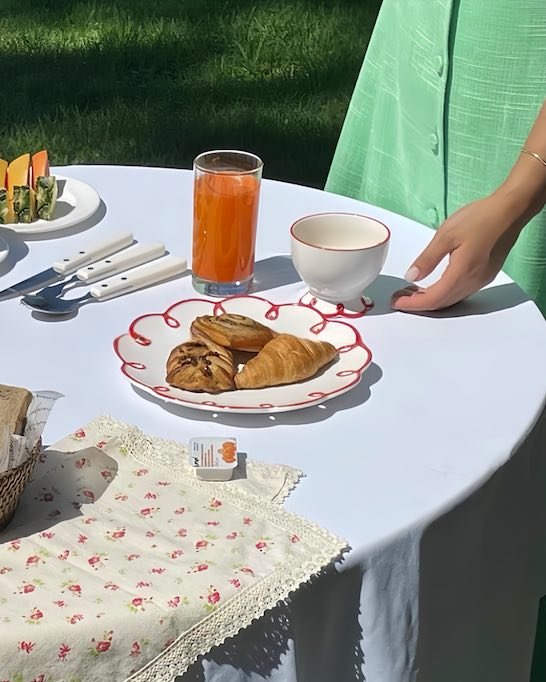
534 155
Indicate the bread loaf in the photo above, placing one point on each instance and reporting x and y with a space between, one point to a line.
14 403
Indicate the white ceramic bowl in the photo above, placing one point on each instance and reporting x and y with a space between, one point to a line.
339 254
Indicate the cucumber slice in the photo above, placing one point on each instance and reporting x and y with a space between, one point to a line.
23 204
46 196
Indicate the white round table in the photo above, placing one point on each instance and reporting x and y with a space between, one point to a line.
432 468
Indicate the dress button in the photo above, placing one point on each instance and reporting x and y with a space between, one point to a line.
432 215
434 142
439 65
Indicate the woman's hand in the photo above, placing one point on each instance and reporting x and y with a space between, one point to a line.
479 236
477 239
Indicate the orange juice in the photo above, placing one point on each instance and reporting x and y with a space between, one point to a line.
224 226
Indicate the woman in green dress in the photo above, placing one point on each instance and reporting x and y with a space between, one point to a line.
445 100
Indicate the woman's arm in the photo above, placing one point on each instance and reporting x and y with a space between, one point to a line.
479 236
527 179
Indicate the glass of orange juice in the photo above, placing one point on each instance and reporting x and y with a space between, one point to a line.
226 195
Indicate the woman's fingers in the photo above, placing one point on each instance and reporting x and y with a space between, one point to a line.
455 284
429 259
477 238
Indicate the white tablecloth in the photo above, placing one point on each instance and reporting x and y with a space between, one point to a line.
432 468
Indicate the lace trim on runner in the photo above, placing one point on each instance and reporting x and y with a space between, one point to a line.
238 612
171 456
291 479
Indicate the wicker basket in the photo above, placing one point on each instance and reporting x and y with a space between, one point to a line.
13 482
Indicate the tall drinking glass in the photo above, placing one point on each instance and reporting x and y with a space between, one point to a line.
225 213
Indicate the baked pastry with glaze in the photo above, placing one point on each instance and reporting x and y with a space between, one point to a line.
200 366
285 360
232 331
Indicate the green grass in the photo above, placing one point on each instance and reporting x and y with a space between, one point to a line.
157 82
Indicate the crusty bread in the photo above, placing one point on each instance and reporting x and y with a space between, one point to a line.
14 403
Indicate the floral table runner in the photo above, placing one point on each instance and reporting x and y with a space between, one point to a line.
120 564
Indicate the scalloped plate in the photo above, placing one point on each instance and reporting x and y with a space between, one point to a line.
145 348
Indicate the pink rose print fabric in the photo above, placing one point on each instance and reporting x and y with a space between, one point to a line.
110 562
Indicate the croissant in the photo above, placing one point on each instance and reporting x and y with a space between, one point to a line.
284 360
199 366
232 331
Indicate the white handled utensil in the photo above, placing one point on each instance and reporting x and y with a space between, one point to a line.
114 242
138 278
121 261
132 280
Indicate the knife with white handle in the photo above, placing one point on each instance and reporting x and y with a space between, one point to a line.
67 266
115 242
140 277
121 261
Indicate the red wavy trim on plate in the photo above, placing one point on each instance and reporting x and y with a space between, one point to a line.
160 390
346 349
318 327
340 309
141 340
346 372
171 321
273 312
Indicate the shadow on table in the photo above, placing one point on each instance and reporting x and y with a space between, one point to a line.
318 633
82 226
482 572
58 491
276 271
279 271
489 300
310 415
381 292
17 251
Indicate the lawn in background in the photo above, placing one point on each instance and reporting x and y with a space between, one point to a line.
155 82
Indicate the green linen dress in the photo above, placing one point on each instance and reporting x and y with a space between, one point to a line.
447 94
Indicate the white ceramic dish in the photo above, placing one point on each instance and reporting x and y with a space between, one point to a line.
145 348
77 201
4 249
